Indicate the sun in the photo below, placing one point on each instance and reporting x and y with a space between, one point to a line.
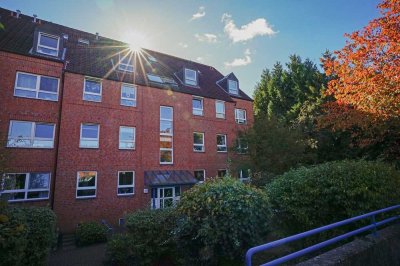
136 40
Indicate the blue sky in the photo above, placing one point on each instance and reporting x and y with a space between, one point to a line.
243 37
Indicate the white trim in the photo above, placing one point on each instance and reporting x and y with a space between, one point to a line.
92 139
168 134
126 186
129 99
222 146
196 80
48 47
204 174
127 141
86 188
200 110
222 115
26 189
92 93
202 145
32 137
37 87
239 120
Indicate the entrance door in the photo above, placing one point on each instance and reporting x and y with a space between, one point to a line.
167 197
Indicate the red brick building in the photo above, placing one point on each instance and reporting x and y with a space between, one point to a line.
95 130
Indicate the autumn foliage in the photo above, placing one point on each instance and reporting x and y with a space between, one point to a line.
366 73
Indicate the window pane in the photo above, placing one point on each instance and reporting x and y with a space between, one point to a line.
154 78
21 129
15 181
190 74
48 51
24 93
126 133
38 194
166 127
167 192
125 178
220 107
128 92
221 173
198 138
47 96
86 192
221 140
166 156
44 131
166 113
48 84
90 131
128 102
39 180
198 103
199 175
87 179
91 97
125 190
26 81
92 86
16 196
177 191
166 142
126 59
48 41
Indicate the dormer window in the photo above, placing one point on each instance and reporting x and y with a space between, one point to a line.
82 41
126 63
190 77
48 44
233 87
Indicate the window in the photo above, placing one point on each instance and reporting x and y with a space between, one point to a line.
200 175
198 142
242 146
128 95
166 135
126 183
92 90
48 44
36 87
190 77
222 172
127 138
165 197
86 184
155 78
24 134
197 104
89 136
83 41
221 143
244 174
233 87
220 109
126 62
27 186
152 58
240 116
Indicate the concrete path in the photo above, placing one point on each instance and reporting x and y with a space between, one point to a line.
93 255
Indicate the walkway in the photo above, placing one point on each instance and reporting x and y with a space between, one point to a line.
93 255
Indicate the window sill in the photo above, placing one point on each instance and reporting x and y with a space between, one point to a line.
199 151
166 163
31 98
24 200
126 195
222 151
85 198
126 149
38 148
90 148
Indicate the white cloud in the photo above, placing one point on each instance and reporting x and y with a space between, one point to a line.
183 45
206 37
240 61
258 27
199 14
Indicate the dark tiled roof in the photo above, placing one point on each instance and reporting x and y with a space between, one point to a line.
100 57
166 178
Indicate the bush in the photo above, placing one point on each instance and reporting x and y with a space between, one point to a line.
149 239
90 233
221 219
306 198
26 235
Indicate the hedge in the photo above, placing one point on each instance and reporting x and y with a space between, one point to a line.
90 233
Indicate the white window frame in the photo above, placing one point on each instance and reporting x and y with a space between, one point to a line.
129 99
204 174
86 188
154 78
126 186
125 141
32 137
168 134
241 175
202 145
219 115
230 89
189 79
37 88
223 146
92 93
98 136
126 67
224 169
26 189
48 47
199 110
238 119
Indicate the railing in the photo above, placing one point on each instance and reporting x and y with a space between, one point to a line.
373 227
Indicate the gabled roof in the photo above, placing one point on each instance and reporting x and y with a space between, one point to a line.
100 58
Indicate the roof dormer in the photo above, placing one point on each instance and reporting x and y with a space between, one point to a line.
125 62
230 84
47 43
190 77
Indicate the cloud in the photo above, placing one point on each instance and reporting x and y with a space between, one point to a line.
183 45
240 61
206 37
258 27
200 13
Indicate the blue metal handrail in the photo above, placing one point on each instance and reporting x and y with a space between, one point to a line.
304 251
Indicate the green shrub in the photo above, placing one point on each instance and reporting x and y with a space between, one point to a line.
221 219
121 251
90 233
26 235
306 198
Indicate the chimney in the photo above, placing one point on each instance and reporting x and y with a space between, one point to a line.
34 18
97 36
18 13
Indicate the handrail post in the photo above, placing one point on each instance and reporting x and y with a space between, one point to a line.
374 230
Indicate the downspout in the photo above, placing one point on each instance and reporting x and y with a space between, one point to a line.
53 185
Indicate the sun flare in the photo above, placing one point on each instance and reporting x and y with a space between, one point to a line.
135 39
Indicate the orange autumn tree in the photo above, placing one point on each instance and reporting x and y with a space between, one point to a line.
365 74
